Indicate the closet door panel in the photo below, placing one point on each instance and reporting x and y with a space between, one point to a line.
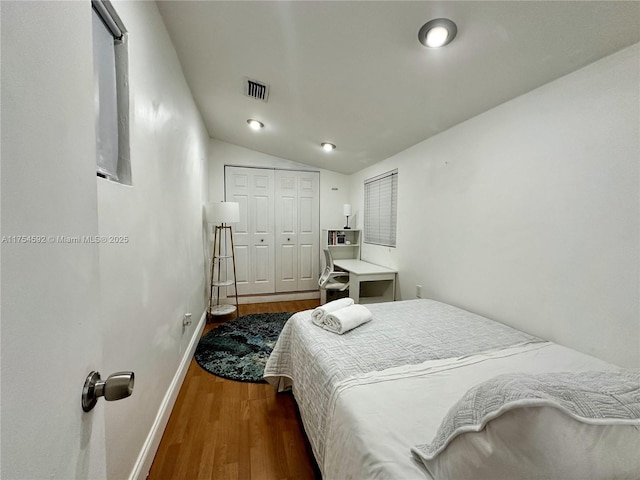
237 185
241 242
261 222
286 196
262 274
253 237
308 233
306 216
287 215
287 261
263 247
308 256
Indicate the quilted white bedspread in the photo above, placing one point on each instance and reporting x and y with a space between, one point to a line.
375 419
312 361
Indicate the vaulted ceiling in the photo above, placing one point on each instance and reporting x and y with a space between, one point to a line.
354 73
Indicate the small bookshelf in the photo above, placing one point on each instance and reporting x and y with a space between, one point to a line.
342 243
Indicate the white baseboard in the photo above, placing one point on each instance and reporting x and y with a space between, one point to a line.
277 297
147 454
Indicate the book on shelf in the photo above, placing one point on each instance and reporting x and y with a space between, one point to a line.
337 237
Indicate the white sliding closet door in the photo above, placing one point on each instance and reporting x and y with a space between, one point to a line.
297 205
253 236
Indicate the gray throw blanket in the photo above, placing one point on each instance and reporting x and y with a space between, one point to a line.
601 398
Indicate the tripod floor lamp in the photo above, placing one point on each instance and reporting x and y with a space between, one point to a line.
223 275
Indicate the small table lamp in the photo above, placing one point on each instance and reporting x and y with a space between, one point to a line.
346 210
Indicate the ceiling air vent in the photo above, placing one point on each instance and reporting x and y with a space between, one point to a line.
256 89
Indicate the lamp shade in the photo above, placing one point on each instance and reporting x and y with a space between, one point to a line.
223 212
346 209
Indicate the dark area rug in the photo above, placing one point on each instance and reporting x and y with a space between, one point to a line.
239 349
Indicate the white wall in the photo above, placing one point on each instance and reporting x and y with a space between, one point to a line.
529 213
149 283
50 340
331 201
70 309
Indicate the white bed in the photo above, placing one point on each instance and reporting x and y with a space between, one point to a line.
368 397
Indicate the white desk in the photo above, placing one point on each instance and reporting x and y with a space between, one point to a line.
369 283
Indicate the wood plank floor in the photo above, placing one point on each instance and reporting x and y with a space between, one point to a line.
221 429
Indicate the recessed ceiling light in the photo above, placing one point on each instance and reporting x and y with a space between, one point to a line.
437 33
328 146
255 124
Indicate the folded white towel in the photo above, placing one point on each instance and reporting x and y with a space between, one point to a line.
348 318
319 314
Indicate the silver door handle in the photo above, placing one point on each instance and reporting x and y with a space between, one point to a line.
119 385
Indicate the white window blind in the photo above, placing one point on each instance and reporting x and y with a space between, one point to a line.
380 207
105 99
111 93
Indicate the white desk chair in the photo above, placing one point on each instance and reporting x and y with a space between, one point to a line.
328 279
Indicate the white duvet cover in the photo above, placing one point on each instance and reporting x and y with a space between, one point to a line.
376 418
313 361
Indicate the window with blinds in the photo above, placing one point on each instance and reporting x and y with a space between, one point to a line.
380 206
